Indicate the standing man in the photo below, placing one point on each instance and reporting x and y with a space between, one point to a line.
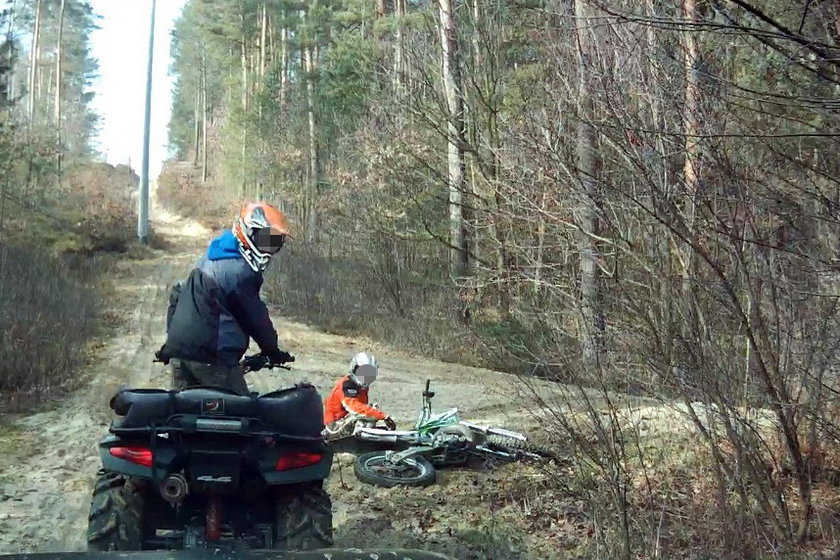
214 313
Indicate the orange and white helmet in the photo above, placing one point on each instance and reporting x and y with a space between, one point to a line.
261 231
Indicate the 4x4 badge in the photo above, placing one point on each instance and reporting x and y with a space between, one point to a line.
213 406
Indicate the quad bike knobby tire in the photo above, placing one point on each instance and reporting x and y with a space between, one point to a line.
512 445
115 521
304 520
373 468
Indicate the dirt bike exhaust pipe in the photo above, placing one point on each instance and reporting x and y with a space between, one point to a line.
174 489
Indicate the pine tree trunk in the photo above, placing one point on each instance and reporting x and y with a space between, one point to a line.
691 128
204 116
60 52
243 188
271 51
10 93
587 209
263 45
458 252
399 11
284 60
312 187
197 119
243 52
33 62
659 239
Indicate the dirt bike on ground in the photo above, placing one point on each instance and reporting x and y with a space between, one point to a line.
206 467
437 440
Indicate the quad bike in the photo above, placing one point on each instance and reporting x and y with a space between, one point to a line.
437 440
204 467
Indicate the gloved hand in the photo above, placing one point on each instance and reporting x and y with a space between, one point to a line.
280 357
390 424
161 357
255 362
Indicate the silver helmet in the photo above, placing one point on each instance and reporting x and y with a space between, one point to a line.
363 369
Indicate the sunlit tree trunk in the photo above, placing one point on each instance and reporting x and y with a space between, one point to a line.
271 48
58 57
243 59
263 32
204 116
284 60
197 128
458 252
660 241
244 63
587 209
399 69
9 38
312 187
310 56
33 61
691 129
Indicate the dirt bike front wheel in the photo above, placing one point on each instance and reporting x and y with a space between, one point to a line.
374 468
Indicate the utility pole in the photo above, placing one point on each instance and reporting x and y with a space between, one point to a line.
143 199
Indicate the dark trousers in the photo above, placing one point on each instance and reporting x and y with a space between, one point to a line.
186 373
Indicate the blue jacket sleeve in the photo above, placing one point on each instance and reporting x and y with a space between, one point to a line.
251 313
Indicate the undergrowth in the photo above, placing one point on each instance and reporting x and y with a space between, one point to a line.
56 250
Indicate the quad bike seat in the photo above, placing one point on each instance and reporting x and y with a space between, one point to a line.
296 410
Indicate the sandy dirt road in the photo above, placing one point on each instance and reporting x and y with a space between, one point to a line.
48 460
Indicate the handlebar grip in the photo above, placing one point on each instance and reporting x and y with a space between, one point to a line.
427 384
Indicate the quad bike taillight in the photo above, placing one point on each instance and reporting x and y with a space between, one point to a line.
138 455
297 461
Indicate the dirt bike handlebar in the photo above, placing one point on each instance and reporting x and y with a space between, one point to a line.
426 393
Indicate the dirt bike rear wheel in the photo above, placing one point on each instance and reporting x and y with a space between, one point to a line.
373 468
304 519
513 445
115 521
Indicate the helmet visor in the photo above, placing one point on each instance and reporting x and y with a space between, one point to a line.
268 240
365 374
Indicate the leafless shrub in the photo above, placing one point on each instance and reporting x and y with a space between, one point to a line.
48 312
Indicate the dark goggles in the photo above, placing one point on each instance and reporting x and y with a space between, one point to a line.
268 240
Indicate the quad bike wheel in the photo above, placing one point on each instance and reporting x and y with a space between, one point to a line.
115 521
304 520
374 468
512 445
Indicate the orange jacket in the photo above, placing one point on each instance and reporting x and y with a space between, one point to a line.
347 396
